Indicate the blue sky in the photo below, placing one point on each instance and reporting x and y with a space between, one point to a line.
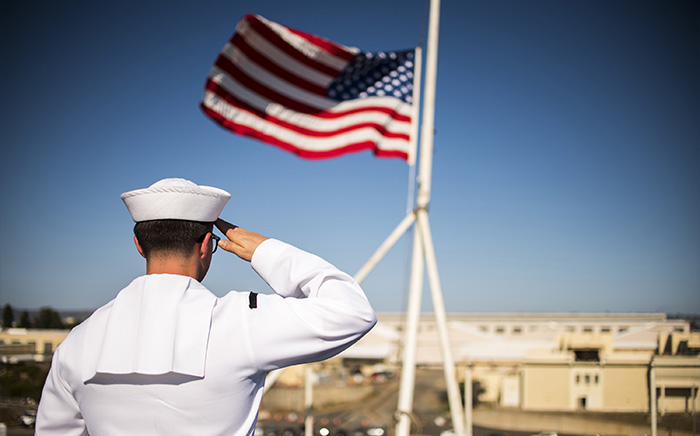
566 170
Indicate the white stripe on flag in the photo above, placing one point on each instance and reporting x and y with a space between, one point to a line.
288 136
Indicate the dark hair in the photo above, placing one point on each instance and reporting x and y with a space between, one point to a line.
170 236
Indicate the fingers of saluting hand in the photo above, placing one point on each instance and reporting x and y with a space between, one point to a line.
241 242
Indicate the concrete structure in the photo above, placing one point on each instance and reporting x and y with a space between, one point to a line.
18 344
561 362
531 362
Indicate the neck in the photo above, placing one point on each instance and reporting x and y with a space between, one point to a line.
173 265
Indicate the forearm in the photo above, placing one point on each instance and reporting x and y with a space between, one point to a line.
322 310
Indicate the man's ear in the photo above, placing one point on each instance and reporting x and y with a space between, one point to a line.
139 248
204 246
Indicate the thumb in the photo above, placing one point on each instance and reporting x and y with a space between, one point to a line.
231 247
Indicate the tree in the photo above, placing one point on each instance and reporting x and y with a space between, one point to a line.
8 316
48 319
24 321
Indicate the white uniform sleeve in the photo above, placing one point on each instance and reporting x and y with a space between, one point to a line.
58 412
318 311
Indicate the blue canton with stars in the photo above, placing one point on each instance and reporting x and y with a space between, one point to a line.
380 74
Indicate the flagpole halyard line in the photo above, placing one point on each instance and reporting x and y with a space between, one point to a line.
415 116
384 248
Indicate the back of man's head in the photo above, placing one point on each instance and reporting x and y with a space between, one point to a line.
170 237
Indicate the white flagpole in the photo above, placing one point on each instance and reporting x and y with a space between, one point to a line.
410 337
309 400
383 249
453 395
406 223
423 250
415 119
423 242
417 73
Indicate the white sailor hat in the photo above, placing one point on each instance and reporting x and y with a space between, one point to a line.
175 199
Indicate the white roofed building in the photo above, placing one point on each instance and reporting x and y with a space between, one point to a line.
558 361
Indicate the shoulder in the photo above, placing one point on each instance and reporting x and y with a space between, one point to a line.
76 335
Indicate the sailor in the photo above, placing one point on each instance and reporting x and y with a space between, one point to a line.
167 357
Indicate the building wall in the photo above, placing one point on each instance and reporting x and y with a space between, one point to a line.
677 383
44 342
546 387
510 391
587 383
626 388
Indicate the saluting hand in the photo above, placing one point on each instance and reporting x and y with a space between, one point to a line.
241 242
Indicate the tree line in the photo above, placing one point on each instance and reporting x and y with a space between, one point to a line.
47 318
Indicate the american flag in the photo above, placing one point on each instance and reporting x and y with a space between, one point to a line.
311 96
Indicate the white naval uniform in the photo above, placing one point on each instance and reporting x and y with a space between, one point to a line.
167 357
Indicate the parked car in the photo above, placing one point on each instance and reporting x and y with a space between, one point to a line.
376 431
28 419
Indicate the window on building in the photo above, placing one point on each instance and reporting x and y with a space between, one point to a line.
587 378
517 330
588 329
595 379
48 347
578 378
605 329
679 392
668 348
582 403
622 329
587 355
570 328
500 330
483 328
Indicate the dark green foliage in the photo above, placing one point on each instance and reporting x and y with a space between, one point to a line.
24 321
8 316
23 380
48 319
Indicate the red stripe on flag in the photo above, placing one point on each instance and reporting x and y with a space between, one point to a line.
259 88
300 95
241 105
325 44
326 154
276 69
326 114
263 30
